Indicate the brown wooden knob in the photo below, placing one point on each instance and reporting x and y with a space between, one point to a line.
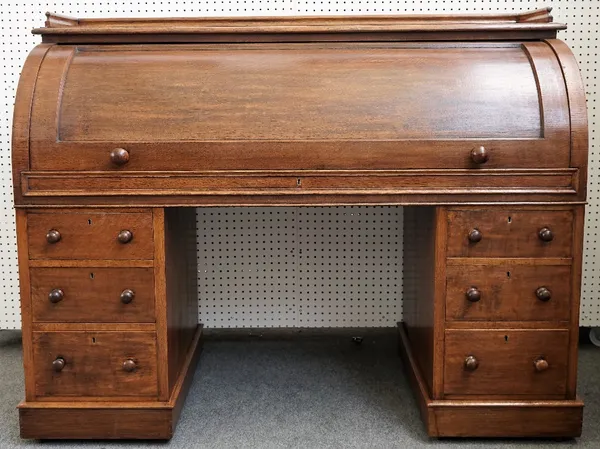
125 236
475 235
541 364
543 294
545 235
129 365
480 155
471 363
127 296
119 156
58 364
473 294
56 295
53 236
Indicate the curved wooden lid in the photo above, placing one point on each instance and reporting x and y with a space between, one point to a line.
526 25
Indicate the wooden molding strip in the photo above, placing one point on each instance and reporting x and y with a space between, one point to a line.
68 184
530 24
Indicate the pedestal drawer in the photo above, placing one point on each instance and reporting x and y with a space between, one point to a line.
510 233
508 291
95 364
90 235
100 295
506 362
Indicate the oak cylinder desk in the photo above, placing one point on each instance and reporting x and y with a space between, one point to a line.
476 124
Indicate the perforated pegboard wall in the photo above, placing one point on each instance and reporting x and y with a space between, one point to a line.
300 266
309 300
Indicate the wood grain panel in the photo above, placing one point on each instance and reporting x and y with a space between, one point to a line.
21 218
96 423
578 248
418 281
552 91
577 110
506 362
536 420
22 114
508 292
519 182
161 304
299 94
181 286
93 294
90 235
94 364
509 233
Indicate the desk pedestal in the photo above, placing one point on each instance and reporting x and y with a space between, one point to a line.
491 306
489 338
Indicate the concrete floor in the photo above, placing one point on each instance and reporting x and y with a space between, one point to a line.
323 392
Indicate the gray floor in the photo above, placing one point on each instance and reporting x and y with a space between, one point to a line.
312 393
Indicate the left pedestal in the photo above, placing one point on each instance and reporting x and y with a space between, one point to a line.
109 319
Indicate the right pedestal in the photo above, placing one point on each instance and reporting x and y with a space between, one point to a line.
491 308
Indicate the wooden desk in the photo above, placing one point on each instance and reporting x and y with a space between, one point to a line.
476 123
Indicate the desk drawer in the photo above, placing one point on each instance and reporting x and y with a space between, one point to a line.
506 362
90 235
510 233
508 291
95 364
101 295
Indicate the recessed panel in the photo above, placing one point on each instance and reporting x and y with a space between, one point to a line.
299 92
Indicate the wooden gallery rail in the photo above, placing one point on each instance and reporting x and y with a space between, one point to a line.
476 123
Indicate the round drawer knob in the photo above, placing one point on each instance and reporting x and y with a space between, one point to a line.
545 235
125 236
53 236
541 364
480 155
58 364
129 365
475 235
127 296
471 363
56 295
473 294
119 156
543 294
